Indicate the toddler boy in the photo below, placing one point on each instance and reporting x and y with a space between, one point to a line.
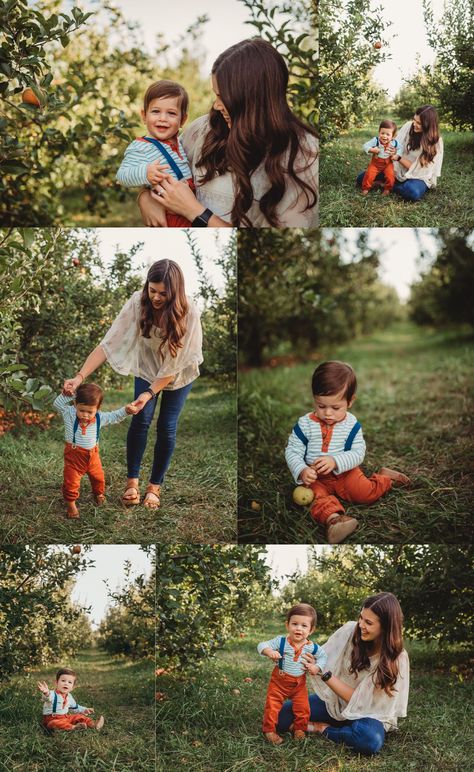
326 448
382 160
165 110
59 701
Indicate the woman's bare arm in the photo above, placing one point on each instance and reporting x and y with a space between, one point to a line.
95 359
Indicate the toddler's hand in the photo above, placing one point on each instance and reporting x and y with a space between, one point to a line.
374 150
308 475
325 465
155 172
131 409
43 687
88 711
272 654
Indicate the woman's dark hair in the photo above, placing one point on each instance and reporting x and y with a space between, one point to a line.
387 608
252 80
303 610
428 138
175 309
332 377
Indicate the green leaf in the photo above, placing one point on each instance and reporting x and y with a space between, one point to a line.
28 236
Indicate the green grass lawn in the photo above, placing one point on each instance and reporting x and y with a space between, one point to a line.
450 204
211 722
121 690
198 498
415 409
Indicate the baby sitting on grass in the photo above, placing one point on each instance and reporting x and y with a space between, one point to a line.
61 710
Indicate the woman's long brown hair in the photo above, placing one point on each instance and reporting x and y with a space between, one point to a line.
387 608
175 309
252 80
428 138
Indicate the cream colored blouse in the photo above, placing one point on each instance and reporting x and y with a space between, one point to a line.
430 173
218 194
128 352
367 701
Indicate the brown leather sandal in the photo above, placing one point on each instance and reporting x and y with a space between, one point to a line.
152 490
131 501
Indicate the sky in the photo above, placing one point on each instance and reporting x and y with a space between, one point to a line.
90 588
169 243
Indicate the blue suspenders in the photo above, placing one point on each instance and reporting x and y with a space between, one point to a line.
282 650
76 425
55 703
347 445
169 159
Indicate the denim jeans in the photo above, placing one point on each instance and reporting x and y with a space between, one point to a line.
364 735
410 190
172 402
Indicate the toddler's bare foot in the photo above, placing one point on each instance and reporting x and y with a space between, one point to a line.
99 499
299 734
365 193
317 726
338 527
72 510
398 477
385 192
273 738
99 723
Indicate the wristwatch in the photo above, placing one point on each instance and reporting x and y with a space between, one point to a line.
326 676
150 391
202 220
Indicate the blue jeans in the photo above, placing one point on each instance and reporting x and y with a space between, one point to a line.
172 402
410 190
364 735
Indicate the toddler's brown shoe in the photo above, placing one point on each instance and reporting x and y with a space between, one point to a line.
273 738
339 527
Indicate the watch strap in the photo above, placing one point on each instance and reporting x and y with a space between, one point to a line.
202 220
326 676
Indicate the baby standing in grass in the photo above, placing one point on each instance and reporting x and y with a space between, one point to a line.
288 679
82 423
326 448
383 149
160 153
61 710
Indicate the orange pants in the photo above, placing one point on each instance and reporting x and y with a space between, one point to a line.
66 722
77 463
286 687
351 486
376 166
176 221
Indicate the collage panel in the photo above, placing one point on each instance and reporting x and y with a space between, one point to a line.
259 646
77 636
128 327
396 118
355 350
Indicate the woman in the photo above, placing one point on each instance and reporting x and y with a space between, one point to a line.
157 337
365 687
253 161
418 164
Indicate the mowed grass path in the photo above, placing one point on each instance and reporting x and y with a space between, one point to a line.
414 406
211 722
450 204
121 690
198 499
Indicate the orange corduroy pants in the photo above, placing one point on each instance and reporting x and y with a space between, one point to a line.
67 722
352 486
376 166
77 463
286 687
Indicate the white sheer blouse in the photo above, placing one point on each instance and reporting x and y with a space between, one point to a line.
367 701
128 352
430 173
218 194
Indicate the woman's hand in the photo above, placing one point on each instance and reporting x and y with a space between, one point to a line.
152 210
178 197
310 665
70 385
141 401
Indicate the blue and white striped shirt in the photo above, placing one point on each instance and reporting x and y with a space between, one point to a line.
345 459
292 666
88 439
140 153
64 704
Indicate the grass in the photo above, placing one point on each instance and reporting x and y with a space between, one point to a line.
414 407
450 204
211 722
122 690
198 499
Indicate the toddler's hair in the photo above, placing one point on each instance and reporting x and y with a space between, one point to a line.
389 125
303 610
89 394
167 88
65 671
332 377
